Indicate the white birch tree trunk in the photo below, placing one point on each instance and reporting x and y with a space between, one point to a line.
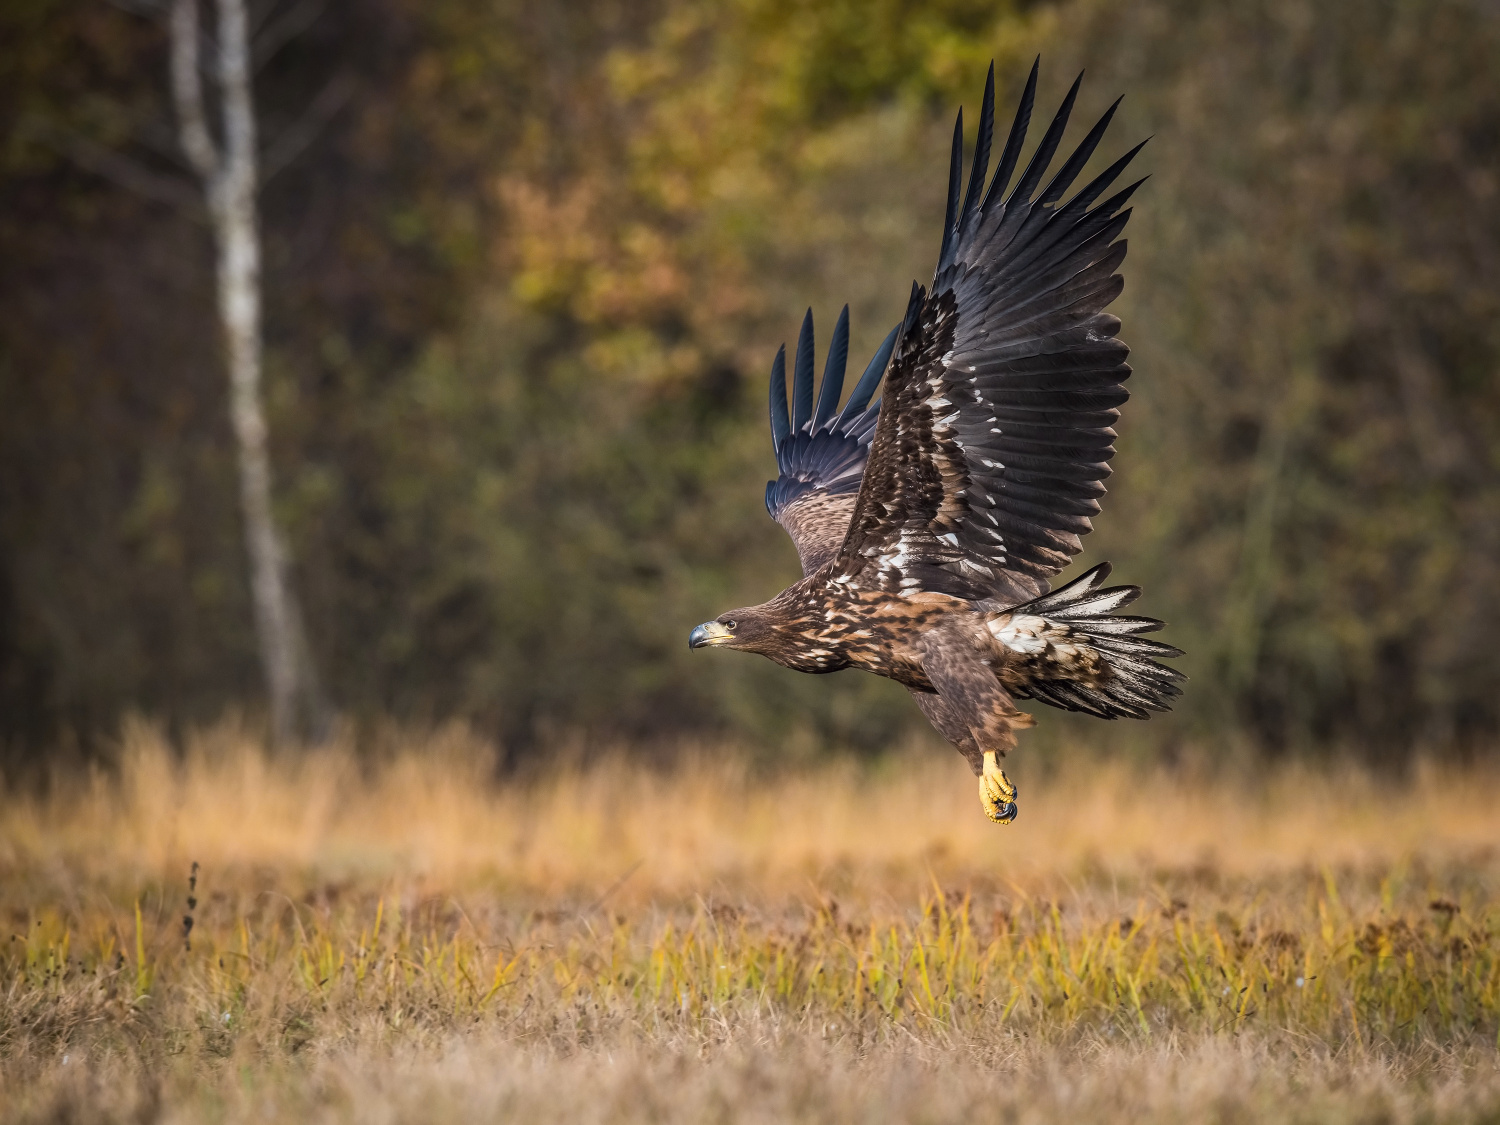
229 176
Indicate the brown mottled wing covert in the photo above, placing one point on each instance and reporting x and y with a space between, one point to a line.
995 430
817 523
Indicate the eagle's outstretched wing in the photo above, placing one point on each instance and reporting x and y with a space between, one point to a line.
995 433
821 451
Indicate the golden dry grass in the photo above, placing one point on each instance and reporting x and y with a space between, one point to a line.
400 937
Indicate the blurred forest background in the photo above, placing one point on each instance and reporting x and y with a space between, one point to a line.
524 283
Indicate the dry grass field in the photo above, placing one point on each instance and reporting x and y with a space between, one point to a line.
398 937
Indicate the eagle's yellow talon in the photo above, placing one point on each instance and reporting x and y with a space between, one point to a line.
996 793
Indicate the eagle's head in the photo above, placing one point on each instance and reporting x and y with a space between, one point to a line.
751 629
771 630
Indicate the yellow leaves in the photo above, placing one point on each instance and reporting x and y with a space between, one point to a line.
568 252
690 193
554 242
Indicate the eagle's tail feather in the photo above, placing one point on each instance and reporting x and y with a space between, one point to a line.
1137 684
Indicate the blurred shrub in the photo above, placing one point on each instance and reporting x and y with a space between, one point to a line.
525 292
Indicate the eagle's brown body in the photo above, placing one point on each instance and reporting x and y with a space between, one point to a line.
821 625
924 641
929 525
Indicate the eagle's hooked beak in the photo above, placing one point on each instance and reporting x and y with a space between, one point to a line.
708 634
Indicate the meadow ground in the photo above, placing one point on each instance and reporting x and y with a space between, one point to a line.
401 938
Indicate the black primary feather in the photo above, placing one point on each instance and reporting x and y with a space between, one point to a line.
802 376
832 388
980 170
780 427
864 390
955 183
1012 151
1074 164
1037 167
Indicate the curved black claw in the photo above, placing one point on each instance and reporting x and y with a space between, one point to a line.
997 793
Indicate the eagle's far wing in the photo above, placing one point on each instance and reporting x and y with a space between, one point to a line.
994 438
821 450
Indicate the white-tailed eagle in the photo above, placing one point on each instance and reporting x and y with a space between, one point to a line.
929 523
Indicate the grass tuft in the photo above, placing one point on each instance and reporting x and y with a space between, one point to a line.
613 942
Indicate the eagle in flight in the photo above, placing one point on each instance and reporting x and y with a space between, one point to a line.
929 523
